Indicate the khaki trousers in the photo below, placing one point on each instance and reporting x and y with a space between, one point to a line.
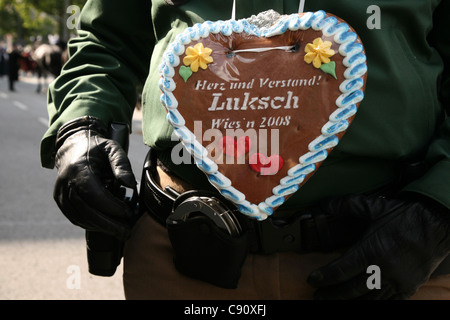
149 273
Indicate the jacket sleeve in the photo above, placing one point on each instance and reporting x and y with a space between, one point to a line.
109 61
436 182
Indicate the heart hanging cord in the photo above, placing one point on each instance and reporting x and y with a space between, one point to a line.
301 7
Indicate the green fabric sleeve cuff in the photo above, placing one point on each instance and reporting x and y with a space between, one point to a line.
434 184
79 108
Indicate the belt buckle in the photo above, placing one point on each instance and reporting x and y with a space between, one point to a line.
279 235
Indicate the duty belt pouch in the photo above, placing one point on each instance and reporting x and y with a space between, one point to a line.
203 251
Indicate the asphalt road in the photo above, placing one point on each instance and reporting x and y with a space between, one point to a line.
42 255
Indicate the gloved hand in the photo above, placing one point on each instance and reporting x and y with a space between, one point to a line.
406 238
87 162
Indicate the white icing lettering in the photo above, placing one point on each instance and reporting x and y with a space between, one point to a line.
264 103
214 103
205 85
289 83
278 106
289 98
216 123
242 85
264 122
254 103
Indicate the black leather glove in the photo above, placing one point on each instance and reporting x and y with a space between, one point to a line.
87 164
406 238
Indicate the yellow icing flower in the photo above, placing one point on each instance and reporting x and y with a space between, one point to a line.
197 56
318 52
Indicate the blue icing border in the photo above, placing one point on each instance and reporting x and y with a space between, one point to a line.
354 61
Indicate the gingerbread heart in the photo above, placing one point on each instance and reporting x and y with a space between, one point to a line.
260 107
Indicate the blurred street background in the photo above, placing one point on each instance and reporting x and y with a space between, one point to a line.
42 255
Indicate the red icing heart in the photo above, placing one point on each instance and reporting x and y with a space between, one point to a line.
266 166
235 147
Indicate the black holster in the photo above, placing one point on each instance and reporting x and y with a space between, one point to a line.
203 251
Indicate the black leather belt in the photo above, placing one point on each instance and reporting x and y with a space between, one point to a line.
307 231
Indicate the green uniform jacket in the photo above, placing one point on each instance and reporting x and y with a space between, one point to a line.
401 119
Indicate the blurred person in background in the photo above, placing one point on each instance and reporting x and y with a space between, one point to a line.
14 66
